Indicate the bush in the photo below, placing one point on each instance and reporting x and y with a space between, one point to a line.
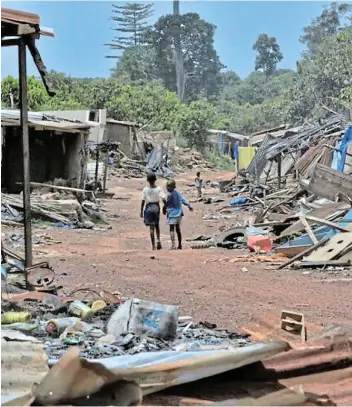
220 161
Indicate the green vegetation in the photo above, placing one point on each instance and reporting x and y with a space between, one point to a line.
143 85
220 161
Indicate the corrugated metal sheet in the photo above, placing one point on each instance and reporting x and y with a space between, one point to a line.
11 117
314 155
23 363
256 139
17 17
234 136
20 16
152 371
323 365
61 126
259 161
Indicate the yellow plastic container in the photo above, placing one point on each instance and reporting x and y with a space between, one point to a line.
98 305
80 309
12 317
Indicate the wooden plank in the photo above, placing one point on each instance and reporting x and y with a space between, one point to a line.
336 245
326 223
327 183
308 229
330 211
334 263
39 184
304 253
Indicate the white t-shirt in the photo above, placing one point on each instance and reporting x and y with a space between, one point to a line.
151 195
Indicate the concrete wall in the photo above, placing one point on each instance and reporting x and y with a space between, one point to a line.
96 132
52 155
120 133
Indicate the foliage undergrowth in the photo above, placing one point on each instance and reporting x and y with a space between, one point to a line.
220 161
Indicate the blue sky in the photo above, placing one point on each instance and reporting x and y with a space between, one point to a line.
82 28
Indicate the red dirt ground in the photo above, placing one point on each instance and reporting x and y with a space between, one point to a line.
120 259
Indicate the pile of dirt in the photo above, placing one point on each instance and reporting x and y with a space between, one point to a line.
185 159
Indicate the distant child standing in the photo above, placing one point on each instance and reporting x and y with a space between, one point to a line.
150 208
199 185
174 212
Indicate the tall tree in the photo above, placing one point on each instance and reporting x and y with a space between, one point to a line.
137 64
180 71
327 24
132 23
200 60
269 54
324 82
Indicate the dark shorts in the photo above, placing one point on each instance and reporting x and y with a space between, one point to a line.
152 214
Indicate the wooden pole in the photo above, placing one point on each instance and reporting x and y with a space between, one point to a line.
97 168
180 73
279 170
105 171
25 152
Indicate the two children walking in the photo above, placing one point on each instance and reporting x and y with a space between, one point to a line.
150 210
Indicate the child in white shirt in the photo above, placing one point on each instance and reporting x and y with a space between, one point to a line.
150 208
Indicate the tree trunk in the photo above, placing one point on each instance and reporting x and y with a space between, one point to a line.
180 73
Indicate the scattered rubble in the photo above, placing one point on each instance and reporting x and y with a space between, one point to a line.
57 209
290 201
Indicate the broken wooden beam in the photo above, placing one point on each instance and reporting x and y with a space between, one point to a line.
69 189
327 182
308 228
304 253
325 222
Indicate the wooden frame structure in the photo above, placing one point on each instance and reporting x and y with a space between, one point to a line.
21 29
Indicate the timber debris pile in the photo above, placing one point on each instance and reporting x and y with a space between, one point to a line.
185 159
293 200
55 205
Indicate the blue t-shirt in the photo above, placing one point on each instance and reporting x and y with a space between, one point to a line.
174 203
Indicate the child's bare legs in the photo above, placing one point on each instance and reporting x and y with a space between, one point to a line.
152 235
179 237
158 243
172 236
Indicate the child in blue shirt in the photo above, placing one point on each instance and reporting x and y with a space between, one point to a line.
174 212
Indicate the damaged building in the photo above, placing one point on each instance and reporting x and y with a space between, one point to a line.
57 149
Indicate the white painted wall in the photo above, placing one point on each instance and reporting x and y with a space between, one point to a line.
96 132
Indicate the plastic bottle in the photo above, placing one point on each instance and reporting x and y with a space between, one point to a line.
58 325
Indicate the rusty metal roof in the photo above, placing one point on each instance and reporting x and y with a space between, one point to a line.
11 117
21 19
19 16
322 365
10 17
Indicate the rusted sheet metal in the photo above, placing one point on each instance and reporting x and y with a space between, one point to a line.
314 155
24 21
30 296
23 363
153 371
19 16
327 182
323 365
259 161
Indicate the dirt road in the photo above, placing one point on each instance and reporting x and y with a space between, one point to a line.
196 280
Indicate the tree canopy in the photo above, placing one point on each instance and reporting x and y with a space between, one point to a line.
269 54
131 19
143 87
